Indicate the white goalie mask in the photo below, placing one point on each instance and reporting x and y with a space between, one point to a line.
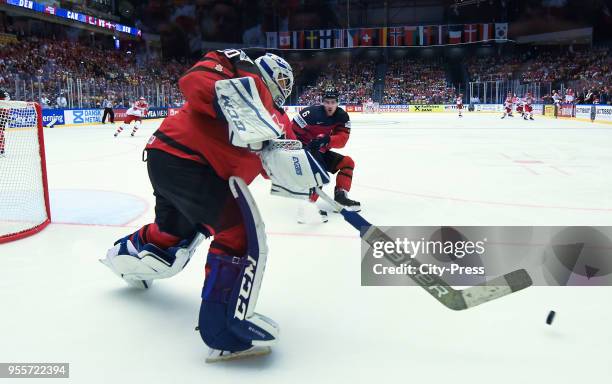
278 76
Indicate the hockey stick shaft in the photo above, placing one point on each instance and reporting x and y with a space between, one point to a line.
452 298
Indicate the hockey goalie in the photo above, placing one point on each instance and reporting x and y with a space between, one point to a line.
200 163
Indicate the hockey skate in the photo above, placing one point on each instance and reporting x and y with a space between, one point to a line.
216 355
350 205
309 213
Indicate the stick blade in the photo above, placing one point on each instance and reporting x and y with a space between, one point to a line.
494 289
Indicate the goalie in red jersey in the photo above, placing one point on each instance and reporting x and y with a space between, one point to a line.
200 162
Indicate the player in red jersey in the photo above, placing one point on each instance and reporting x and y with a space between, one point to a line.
528 101
322 128
200 162
459 102
134 114
508 106
569 96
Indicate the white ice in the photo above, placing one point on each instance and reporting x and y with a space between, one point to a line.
59 304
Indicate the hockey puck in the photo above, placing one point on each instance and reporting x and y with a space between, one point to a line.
550 317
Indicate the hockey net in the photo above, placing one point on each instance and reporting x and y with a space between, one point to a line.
371 107
24 196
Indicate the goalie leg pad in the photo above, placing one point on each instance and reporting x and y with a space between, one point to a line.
222 322
138 264
231 289
221 275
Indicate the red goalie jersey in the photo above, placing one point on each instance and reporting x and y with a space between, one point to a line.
198 133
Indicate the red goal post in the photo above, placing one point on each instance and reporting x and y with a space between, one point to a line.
24 191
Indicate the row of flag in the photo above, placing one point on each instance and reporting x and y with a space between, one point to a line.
388 37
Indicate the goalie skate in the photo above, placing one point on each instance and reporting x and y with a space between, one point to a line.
216 355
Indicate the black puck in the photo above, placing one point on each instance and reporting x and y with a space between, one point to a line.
550 317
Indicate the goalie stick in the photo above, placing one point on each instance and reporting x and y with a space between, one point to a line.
455 299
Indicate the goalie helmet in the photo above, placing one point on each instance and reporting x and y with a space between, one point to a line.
278 75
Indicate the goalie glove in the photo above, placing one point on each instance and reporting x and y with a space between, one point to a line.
292 169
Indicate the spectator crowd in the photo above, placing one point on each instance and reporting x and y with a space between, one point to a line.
62 73
48 71
354 82
417 82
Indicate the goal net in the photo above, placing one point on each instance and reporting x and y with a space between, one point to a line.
371 107
24 197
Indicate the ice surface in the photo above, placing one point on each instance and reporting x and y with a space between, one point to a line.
60 304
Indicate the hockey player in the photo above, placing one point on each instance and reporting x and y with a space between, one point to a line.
459 102
518 101
569 96
320 128
508 106
135 114
200 162
3 121
528 101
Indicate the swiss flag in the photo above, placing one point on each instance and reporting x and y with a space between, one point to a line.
366 37
470 32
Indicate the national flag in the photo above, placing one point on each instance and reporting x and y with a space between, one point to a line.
428 35
454 37
396 36
442 35
284 40
297 42
485 32
339 38
470 33
382 37
366 37
454 34
501 31
272 39
325 38
412 35
352 38
312 39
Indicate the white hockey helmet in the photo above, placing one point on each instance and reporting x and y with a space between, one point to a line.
278 75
